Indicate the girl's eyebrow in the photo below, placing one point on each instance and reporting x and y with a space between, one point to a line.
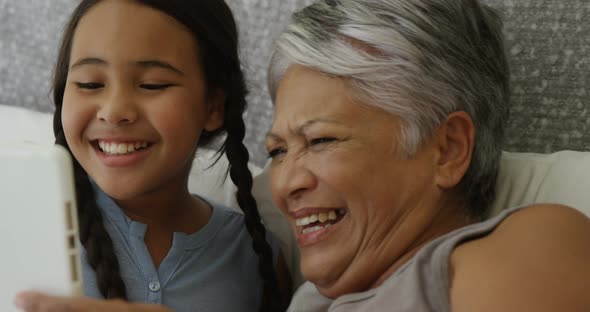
88 61
142 64
159 64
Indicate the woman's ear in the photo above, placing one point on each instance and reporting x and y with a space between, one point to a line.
455 141
216 110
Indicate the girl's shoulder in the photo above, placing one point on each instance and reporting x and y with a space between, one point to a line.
231 223
536 259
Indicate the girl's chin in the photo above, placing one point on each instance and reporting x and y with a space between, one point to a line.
119 192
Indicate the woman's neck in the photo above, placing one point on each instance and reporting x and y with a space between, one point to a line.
451 217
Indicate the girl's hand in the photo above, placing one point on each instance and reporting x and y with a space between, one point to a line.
36 302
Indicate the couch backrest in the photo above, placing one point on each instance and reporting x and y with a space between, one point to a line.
548 45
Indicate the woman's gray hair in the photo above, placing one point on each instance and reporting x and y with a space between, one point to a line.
417 59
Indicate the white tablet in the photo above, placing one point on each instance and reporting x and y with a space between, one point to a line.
38 222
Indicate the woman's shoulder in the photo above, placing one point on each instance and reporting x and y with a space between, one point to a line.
536 259
537 227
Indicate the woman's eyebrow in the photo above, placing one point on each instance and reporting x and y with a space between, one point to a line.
301 129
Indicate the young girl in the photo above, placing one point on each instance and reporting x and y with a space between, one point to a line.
138 86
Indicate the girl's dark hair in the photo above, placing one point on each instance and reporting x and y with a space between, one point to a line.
215 31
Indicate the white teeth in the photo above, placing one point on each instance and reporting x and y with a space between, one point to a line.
312 229
302 221
322 217
316 228
121 149
332 215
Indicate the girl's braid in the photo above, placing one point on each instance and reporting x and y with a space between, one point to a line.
238 158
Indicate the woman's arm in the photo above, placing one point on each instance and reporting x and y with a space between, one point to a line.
36 302
538 259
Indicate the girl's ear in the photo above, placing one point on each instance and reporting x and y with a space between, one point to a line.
455 141
216 110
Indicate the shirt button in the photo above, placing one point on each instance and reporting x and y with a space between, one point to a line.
154 286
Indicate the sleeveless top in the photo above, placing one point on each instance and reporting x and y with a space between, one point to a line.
421 284
213 269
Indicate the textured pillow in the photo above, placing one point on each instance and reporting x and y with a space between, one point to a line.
548 47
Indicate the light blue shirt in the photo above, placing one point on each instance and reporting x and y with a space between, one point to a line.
214 269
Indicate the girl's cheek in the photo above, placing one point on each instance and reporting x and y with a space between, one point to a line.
73 117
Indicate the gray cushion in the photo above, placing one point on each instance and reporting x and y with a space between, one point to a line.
548 46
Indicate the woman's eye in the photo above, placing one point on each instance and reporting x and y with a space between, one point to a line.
273 153
89 85
322 140
155 86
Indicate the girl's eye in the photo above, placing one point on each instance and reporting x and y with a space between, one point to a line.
155 86
89 85
276 152
322 140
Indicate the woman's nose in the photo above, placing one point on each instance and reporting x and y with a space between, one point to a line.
118 108
291 178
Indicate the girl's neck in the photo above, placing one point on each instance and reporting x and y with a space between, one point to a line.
168 210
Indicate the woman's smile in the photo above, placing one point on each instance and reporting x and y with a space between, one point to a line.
313 227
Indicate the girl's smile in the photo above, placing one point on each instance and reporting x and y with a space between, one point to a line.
124 153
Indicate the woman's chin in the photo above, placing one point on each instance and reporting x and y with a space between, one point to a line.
323 273
331 290
335 276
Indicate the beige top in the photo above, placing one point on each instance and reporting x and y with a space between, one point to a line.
419 285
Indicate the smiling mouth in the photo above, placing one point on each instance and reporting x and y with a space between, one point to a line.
318 221
115 149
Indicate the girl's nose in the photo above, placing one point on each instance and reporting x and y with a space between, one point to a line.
118 108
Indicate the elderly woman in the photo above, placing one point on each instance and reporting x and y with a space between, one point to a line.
389 118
